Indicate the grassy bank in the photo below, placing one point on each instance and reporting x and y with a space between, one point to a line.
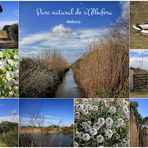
40 77
139 93
47 130
3 144
103 71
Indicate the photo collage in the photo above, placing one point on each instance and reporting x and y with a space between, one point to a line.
73 74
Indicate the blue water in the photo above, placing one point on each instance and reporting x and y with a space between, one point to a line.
68 88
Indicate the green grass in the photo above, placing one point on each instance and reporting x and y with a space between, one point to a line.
140 93
3 144
138 14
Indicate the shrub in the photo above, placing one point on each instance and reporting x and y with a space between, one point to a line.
10 138
12 31
9 133
39 77
101 122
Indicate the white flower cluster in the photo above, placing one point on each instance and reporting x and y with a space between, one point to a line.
9 73
101 122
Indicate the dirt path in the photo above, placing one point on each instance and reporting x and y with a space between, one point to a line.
8 45
68 88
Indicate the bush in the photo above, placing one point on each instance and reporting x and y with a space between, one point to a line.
25 140
101 122
40 77
10 138
12 31
7 126
9 133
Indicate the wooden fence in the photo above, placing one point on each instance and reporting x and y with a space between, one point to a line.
140 81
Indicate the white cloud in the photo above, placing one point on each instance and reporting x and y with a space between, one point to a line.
62 38
9 118
61 30
125 9
25 121
138 62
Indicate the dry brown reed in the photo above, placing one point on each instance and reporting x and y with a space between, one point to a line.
103 71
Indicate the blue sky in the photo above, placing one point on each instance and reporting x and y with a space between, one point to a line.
44 23
53 110
7 108
9 14
143 106
53 31
139 58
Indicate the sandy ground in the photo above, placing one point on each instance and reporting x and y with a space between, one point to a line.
8 45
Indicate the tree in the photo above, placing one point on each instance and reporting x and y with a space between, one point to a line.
12 31
145 120
1 8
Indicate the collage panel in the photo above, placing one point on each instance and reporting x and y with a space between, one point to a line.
138 73
9 122
46 123
138 25
74 49
80 69
9 58
138 122
9 73
9 24
101 122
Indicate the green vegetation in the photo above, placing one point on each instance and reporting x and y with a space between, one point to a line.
134 108
9 73
8 134
12 32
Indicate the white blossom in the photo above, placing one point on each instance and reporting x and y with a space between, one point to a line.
112 109
93 131
77 115
108 134
109 122
86 137
119 122
100 138
85 112
100 122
